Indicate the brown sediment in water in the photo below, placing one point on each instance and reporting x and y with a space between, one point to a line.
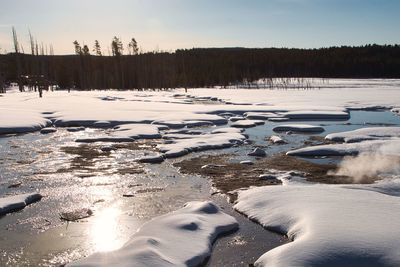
227 175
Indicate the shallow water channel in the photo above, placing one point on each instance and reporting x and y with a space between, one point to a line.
122 193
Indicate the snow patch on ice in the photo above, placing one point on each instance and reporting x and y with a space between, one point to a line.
371 133
17 202
137 131
180 238
347 148
247 123
329 225
179 147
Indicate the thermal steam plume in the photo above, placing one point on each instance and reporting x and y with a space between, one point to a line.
384 161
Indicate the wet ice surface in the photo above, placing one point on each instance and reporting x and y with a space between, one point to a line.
70 181
40 163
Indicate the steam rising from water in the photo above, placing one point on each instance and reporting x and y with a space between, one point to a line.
384 161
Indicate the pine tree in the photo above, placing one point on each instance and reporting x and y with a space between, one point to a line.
78 48
85 50
97 48
117 47
133 47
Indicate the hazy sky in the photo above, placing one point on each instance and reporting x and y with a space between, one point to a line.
172 24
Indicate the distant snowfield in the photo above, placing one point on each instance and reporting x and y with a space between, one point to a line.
331 225
27 112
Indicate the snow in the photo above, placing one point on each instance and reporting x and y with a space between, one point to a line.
258 152
329 225
277 119
24 112
371 133
267 177
333 93
261 115
48 130
125 133
237 118
151 159
102 124
246 123
177 136
246 162
180 147
276 139
227 130
180 238
17 202
20 121
348 148
76 129
191 124
137 131
170 124
298 128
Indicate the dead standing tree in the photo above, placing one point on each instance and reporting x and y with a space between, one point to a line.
18 60
2 78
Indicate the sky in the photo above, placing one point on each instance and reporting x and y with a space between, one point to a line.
173 24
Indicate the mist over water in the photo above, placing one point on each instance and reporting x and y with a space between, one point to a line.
382 162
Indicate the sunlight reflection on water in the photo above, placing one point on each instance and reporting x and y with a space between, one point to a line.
105 231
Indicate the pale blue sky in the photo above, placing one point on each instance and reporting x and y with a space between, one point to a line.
172 24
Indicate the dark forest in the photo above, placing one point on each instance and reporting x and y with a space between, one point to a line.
201 67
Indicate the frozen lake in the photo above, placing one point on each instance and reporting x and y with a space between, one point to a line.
122 193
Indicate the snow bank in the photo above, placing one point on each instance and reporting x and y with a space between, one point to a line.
137 131
180 238
48 130
237 118
298 128
258 152
17 202
348 148
329 225
227 130
151 159
261 115
371 133
180 147
21 121
276 139
247 123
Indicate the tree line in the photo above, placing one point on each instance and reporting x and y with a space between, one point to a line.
197 67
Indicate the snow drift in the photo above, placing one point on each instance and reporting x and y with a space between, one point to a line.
180 238
329 225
